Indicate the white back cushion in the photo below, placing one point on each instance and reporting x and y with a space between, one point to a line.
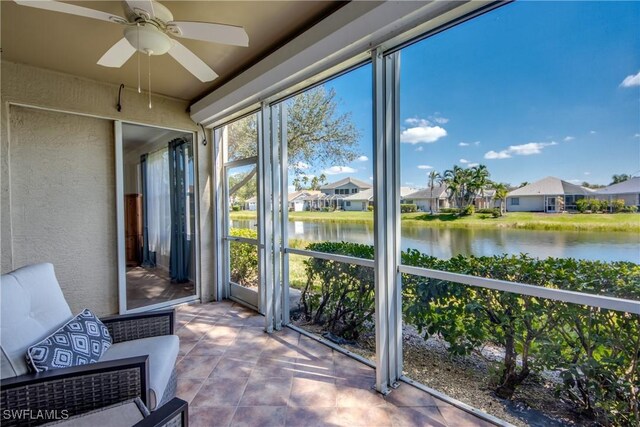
31 308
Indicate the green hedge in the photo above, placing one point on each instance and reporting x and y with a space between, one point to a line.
595 350
243 258
408 207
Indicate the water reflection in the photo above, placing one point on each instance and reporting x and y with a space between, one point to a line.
448 242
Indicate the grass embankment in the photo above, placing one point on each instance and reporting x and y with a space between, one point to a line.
622 222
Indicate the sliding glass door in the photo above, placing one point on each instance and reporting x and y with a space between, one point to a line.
156 217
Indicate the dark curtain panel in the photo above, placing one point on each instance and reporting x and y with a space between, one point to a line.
180 243
148 257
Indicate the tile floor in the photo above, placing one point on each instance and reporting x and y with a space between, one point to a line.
234 374
146 286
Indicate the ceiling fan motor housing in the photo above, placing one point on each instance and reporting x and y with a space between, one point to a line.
148 39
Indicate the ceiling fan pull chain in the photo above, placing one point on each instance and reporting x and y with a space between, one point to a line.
149 60
138 54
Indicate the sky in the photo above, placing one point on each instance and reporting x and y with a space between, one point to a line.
530 90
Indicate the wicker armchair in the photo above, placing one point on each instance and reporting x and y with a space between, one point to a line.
146 337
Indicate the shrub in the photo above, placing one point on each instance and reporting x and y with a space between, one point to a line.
629 209
594 350
370 208
594 205
450 210
604 205
328 209
243 258
617 205
337 294
408 207
582 205
236 208
467 210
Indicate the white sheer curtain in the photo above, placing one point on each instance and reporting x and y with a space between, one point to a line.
159 206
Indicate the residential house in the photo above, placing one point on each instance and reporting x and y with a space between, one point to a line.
304 200
430 199
549 194
335 192
628 190
251 204
362 200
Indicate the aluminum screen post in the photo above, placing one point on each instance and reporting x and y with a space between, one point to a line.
386 220
284 210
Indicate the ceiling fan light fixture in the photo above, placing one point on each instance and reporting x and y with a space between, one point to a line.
147 38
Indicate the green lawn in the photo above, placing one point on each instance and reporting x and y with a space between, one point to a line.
519 220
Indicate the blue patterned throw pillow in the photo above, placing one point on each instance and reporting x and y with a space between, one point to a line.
82 340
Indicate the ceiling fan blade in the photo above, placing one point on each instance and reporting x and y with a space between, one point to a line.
72 9
118 54
210 32
191 62
144 5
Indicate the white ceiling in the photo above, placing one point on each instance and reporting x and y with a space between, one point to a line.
73 44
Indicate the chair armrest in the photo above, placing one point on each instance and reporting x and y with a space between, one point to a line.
74 390
174 413
129 327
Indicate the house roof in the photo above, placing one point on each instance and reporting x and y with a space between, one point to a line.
367 195
303 194
425 193
345 181
625 187
550 186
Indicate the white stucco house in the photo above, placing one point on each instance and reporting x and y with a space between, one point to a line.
628 190
304 200
425 198
251 204
335 192
362 200
549 195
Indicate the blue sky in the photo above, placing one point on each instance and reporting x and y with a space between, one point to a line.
530 90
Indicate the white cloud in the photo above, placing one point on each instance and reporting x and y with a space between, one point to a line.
463 161
362 159
336 170
301 166
370 178
568 138
476 143
575 181
419 148
631 80
592 132
422 134
440 120
408 183
472 165
464 144
425 167
637 135
291 188
587 173
519 150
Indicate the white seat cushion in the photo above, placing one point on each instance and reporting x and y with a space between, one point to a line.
162 351
31 308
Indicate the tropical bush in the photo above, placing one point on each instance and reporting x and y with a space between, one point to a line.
338 295
582 205
370 208
467 210
617 205
596 351
243 258
450 210
408 207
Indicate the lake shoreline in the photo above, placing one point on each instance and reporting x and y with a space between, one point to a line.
618 223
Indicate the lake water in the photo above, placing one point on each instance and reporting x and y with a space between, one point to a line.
448 242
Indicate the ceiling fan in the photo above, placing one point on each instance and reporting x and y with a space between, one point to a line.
148 25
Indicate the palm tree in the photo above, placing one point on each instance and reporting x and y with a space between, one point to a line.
501 195
480 180
433 178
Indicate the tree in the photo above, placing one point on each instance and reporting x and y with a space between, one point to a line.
615 179
501 195
317 134
465 184
433 178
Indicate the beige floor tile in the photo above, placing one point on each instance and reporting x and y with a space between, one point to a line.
407 395
313 392
196 367
312 417
366 417
211 417
259 416
266 392
188 388
218 391
427 416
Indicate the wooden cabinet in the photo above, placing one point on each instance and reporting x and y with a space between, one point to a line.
133 229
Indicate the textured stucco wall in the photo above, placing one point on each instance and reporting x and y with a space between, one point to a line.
57 177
